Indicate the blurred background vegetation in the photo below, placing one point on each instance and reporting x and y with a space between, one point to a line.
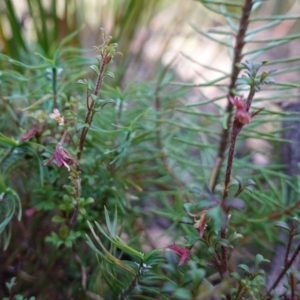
148 32
146 153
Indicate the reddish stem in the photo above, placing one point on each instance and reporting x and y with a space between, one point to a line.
63 137
235 131
293 286
224 273
283 272
237 126
238 48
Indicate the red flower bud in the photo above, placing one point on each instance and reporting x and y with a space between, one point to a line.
184 253
242 114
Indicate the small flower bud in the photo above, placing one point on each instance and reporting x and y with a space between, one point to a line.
242 114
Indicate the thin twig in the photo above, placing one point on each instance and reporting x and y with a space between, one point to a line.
292 284
283 272
288 248
284 212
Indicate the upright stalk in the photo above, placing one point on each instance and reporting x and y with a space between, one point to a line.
239 45
107 52
242 117
235 131
90 105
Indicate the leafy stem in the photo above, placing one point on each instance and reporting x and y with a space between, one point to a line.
239 45
90 107
107 52
242 117
76 181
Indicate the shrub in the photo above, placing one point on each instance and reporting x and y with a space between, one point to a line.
90 171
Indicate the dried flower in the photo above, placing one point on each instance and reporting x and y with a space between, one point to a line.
57 117
184 253
241 115
62 157
30 134
201 223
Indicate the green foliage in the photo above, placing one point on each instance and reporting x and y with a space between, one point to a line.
10 285
137 274
9 204
136 155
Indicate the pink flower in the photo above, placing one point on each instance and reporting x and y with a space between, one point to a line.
30 212
184 253
200 223
241 115
30 134
62 157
